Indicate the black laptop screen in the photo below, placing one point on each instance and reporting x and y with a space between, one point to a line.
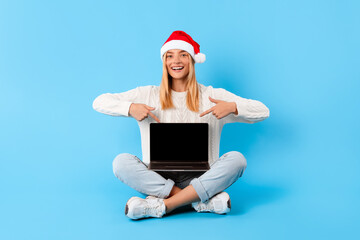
179 141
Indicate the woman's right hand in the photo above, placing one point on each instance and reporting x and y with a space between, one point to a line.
140 111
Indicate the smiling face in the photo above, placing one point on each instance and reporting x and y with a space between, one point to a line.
177 63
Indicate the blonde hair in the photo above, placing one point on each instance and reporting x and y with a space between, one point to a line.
191 85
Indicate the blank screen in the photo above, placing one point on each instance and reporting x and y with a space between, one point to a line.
179 141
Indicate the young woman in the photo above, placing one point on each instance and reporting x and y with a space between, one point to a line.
180 98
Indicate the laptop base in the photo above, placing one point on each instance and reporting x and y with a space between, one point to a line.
179 167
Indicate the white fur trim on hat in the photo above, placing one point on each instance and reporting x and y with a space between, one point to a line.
177 44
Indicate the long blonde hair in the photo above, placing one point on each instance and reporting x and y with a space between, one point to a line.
191 85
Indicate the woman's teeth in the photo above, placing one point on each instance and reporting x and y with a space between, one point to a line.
177 68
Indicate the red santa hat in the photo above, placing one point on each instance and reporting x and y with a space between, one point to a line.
183 41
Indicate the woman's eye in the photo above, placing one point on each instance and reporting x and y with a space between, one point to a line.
168 56
184 54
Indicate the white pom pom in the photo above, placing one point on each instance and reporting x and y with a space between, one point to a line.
200 58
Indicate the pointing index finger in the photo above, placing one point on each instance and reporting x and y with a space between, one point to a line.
154 117
206 112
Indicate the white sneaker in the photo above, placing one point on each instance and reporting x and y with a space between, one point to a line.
137 208
219 204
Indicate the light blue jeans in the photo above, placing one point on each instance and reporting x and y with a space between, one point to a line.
222 173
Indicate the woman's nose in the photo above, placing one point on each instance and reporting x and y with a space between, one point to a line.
177 58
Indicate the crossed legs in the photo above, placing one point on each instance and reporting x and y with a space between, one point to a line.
180 197
223 173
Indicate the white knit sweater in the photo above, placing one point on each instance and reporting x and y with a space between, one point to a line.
118 104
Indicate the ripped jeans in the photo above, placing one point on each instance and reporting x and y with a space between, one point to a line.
222 173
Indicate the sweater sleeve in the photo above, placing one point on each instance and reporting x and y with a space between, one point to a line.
249 111
118 104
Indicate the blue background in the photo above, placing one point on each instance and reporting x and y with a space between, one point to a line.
300 58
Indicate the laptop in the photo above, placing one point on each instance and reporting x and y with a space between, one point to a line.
179 147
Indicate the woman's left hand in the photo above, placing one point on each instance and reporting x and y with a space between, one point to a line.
221 109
